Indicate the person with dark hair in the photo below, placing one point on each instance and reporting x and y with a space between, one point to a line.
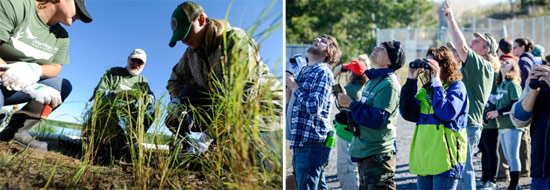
310 120
505 50
33 49
376 115
439 108
213 46
478 75
533 108
522 49
346 169
508 92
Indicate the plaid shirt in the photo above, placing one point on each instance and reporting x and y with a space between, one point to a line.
310 119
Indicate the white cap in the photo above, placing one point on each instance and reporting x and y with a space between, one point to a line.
140 54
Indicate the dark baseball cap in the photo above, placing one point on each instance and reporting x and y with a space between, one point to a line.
82 11
182 17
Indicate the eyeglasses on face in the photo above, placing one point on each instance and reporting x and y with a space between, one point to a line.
136 60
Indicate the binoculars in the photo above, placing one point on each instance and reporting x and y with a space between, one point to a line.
535 83
420 63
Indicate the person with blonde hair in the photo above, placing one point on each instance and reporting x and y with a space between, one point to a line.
508 92
33 49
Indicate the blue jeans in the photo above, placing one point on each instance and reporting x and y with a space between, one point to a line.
468 180
510 140
436 182
12 97
540 183
309 162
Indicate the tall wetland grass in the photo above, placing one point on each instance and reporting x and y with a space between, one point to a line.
240 157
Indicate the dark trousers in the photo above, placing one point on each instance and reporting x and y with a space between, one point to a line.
489 154
196 121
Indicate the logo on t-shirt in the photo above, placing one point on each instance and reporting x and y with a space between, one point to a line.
27 43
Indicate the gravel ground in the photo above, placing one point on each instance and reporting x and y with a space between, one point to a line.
403 178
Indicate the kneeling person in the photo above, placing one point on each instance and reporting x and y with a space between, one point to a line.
121 95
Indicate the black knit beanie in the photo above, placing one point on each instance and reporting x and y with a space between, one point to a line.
395 53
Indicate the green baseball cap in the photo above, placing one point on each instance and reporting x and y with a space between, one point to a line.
181 21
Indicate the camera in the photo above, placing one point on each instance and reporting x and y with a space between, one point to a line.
297 62
420 63
535 83
336 89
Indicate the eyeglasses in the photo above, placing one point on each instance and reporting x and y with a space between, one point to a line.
322 40
515 47
136 60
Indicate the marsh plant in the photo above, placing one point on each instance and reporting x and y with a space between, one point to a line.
243 155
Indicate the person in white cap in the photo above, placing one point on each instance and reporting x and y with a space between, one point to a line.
121 89
478 76
33 48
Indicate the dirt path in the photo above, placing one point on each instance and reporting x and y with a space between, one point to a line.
403 178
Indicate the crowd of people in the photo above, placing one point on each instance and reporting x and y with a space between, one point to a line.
488 94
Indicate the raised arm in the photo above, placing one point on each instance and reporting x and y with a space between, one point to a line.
456 35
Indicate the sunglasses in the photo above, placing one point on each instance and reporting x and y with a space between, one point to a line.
322 40
136 60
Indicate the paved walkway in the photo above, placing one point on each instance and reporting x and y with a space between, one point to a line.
403 178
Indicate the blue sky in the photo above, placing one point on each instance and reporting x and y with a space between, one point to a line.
120 26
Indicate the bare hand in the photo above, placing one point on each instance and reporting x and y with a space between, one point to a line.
435 67
337 71
413 73
344 100
290 82
492 114
542 72
446 10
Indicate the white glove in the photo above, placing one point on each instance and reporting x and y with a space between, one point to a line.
44 94
20 75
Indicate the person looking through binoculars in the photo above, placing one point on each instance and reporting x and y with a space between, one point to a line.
439 108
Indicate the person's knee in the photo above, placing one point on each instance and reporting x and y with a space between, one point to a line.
61 84
66 88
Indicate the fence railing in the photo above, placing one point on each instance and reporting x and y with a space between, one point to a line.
416 41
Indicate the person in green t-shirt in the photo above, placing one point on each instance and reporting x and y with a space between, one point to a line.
347 170
478 76
33 48
376 113
120 97
508 91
